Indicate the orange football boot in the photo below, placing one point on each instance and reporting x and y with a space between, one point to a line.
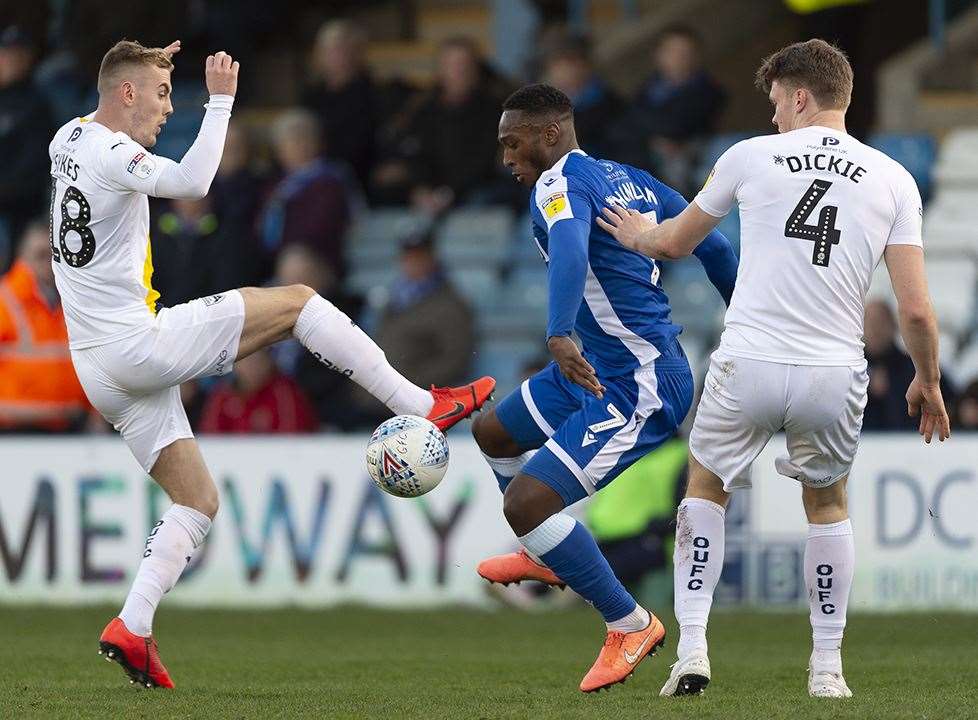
139 656
455 404
516 567
621 654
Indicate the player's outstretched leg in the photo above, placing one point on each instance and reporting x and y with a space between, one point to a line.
829 567
128 639
532 509
271 314
697 562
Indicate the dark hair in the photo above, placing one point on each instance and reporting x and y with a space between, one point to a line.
539 99
818 66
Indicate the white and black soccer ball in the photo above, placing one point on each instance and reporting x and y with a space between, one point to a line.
407 456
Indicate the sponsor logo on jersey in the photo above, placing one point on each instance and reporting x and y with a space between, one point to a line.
555 204
75 134
550 182
828 140
141 166
213 300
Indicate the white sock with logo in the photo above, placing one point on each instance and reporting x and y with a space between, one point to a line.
336 341
697 561
169 547
830 561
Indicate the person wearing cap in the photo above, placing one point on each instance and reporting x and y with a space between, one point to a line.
25 130
426 327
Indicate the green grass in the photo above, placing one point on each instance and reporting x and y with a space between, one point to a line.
358 663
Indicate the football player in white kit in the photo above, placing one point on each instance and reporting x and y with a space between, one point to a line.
818 210
131 359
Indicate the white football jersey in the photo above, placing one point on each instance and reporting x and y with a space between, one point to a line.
100 247
817 209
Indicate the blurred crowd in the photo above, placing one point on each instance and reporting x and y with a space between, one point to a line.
292 184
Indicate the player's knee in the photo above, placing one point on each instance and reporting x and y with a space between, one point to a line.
528 502
207 501
826 505
491 436
300 295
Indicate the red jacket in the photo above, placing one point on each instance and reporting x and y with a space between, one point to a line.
278 407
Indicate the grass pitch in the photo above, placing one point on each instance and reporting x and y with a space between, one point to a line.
359 663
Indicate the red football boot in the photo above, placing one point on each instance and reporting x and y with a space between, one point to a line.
139 656
455 404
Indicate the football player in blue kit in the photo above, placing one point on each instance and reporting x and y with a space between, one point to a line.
576 425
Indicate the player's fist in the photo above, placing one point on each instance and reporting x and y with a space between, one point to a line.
221 74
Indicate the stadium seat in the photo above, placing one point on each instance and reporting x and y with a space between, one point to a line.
184 124
916 152
505 359
713 149
696 304
476 237
957 163
952 281
479 285
375 237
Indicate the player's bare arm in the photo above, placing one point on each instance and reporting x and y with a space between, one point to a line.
671 239
918 327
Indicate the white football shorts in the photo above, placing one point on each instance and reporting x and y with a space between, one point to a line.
745 402
135 382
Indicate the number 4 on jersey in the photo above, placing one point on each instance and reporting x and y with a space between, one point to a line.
824 235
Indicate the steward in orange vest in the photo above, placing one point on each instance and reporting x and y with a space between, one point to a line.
38 387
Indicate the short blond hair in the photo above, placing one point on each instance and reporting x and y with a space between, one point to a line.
127 53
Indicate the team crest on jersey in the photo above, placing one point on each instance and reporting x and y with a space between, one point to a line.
141 166
555 204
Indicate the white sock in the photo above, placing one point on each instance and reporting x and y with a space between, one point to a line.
548 534
336 341
830 560
509 467
698 561
169 548
637 619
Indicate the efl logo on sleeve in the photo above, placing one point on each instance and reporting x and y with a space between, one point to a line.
141 166
554 205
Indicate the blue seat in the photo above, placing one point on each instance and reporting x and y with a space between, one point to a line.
916 152
480 286
376 236
476 237
505 360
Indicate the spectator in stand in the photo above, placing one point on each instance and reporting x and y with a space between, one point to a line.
427 328
343 96
26 129
444 149
890 373
327 390
259 399
965 412
39 391
676 105
236 197
568 67
313 203
192 256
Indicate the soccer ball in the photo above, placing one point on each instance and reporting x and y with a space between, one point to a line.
407 456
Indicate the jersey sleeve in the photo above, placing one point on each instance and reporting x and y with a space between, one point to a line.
564 206
906 228
720 190
715 253
127 165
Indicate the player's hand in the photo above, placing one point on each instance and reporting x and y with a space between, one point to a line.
221 73
925 400
573 366
172 49
626 226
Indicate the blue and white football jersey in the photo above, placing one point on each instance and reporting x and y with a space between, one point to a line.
624 318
